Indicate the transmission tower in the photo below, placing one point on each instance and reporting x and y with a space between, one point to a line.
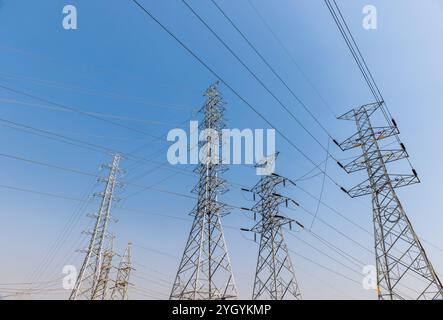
101 289
89 275
205 269
274 277
401 261
121 285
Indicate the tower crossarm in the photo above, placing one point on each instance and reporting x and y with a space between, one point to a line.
403 268
367 109
360 163
205 270
368 135
89 275
379 183
274 276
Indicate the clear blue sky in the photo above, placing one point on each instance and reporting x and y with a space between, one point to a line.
122 64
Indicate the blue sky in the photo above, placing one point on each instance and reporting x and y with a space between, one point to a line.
119 63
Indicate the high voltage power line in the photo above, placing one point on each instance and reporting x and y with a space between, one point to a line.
358 57
399 253
205 185
82 144
228 226
291 57
145 188
296 97
99 114
234 91
80 112
260 81
105 94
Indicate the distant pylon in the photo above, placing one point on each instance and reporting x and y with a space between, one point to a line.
88 277
274 277
403 269
121 285
205 269
101 289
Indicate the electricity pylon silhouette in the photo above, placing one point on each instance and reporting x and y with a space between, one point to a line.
205 270
121 285
401 261
88 277
101 289
274 276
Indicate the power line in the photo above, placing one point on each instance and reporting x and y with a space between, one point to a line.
105 94
88 68
178 194
150 187
157 251
325 267
325 254
272 69
76 171
353 52
29 283
321 191
39 192
153 281
335 229
82 144
261 81
291 57
76 111
393 229
88 145
64 235
99 114
250 106
353 47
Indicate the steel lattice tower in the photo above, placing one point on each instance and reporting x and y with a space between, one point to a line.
88 278
121 285
401 261
101 289
205 269
274 277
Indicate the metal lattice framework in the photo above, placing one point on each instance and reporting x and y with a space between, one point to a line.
89 275
403 269
101 289
121 285
274 277
205 269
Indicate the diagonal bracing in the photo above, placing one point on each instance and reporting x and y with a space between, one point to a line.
403 268
274 277
86 286
205 269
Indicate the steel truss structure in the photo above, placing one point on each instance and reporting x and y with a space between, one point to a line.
274 277
205 270
101 289
403 268
121 285
90 284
